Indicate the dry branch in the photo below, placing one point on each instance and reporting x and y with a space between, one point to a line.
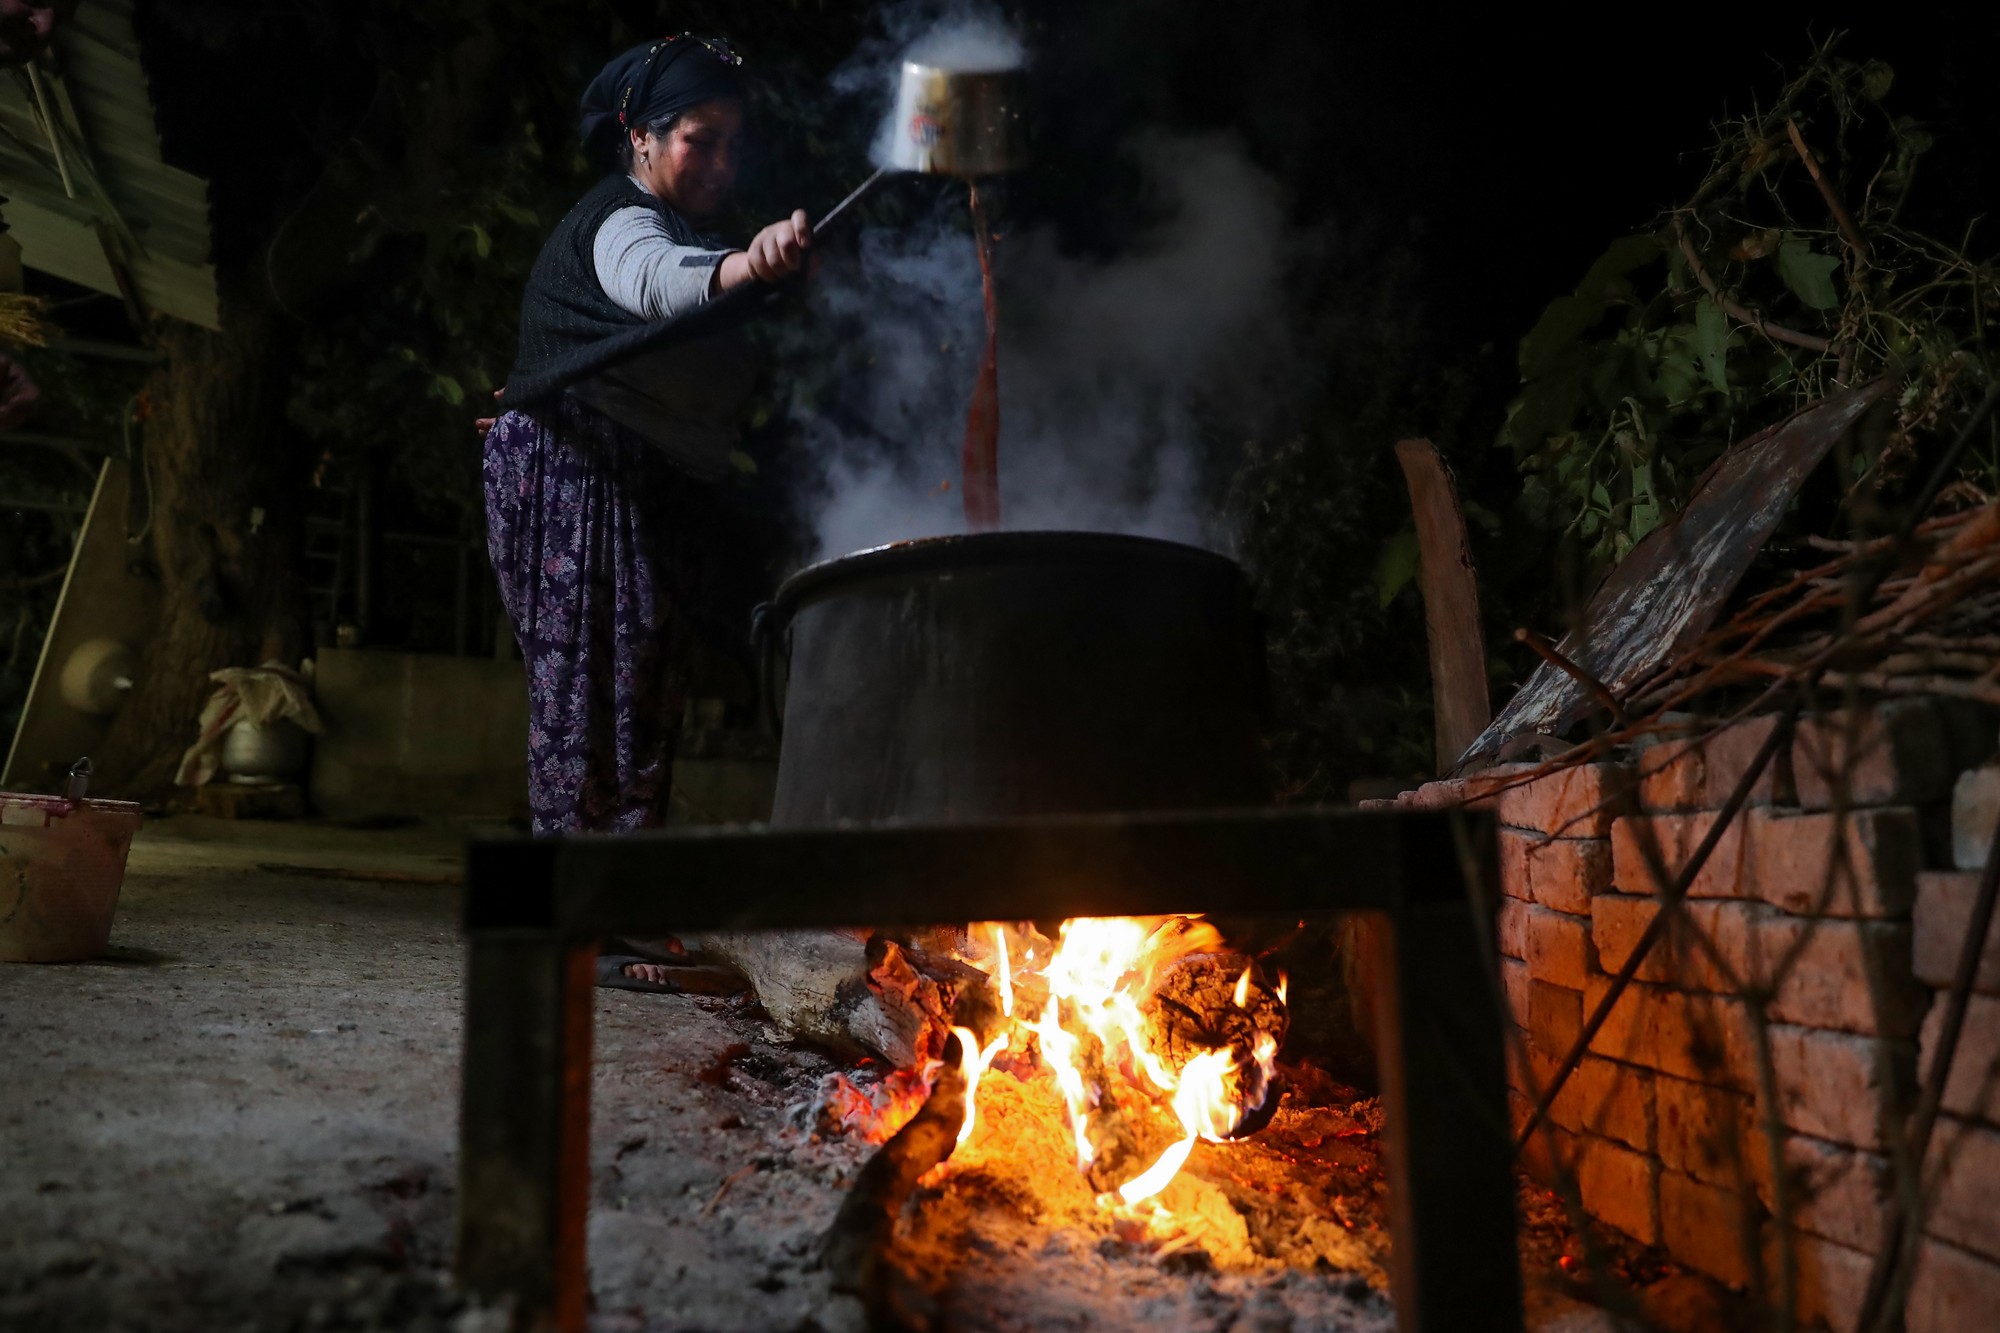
1841 218
854 1249
1739 313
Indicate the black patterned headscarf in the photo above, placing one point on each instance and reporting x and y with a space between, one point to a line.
654 81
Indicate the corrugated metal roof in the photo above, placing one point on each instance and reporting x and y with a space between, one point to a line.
127 201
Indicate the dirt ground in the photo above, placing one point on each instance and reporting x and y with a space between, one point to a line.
245 1118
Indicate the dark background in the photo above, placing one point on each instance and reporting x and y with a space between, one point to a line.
1455 170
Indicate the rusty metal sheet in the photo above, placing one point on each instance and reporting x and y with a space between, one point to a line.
1666 593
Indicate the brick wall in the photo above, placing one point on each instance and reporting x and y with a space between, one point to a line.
1793 993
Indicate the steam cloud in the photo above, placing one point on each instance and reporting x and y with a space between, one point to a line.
1103 363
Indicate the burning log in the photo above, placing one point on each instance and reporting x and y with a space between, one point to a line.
1218 1001
862 995
854 1249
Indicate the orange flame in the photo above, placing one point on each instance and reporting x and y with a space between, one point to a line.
1005 976
1093 1027
972 1063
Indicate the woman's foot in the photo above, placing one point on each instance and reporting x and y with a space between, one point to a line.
625 971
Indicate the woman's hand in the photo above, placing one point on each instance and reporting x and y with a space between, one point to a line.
776 253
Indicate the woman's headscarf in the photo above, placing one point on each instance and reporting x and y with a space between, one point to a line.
653 81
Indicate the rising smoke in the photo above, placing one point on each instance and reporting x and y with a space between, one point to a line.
1103 362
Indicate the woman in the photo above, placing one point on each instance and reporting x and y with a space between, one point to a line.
598 478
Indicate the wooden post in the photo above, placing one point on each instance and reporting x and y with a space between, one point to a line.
1451 602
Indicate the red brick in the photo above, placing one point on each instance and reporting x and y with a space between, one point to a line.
1620 1188
1843 1087
1699 773
1975 807
1837 1192
1515 873
1722 875
1555 1018
1680 958
1850 976
1617 921
1550 1156
1511 927
1832 1279
1576 802
1558 873
1906 752
1707 1132
1559 948
1567 1110
1616 1101
1953 1291
1709 1227
1941 920
1444 794
1514 983
1626 1033
1965 1160
1705 1038
1520 1072
1973 1090
1792 858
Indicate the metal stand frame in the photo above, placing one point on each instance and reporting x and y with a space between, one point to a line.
536 909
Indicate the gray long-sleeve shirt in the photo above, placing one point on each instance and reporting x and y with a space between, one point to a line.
683 398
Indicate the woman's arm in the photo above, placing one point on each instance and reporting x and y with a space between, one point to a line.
646 272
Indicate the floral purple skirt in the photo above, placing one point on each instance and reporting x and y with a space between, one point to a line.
595 539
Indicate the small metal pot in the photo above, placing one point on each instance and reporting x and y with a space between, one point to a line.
254 754
960 122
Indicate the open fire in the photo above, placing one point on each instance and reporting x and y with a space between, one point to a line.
1151 1032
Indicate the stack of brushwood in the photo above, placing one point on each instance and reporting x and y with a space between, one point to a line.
1928 625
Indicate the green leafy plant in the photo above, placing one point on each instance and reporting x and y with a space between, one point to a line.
1787 274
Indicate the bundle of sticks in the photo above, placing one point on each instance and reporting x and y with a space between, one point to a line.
1932 626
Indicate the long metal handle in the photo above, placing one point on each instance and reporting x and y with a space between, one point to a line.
860 192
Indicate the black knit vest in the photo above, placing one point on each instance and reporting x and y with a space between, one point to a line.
570 329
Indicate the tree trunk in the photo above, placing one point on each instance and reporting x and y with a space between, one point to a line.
226 532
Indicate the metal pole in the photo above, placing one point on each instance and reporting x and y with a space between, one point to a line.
1446 1141
524 1128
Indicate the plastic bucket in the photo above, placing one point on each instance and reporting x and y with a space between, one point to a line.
62 863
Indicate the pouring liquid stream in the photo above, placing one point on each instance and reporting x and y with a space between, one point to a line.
980 460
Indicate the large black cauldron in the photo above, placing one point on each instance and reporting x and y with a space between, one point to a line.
1017 673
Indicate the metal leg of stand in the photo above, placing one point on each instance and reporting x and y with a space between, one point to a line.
524 1137
1446 1142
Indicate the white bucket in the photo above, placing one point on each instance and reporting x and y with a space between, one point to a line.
62 863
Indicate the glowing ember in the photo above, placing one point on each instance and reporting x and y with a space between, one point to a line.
1136 1065
877 1111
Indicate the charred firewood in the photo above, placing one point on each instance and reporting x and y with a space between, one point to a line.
1218 1001
855 1249
858 995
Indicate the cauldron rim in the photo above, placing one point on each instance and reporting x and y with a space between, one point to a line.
963 549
